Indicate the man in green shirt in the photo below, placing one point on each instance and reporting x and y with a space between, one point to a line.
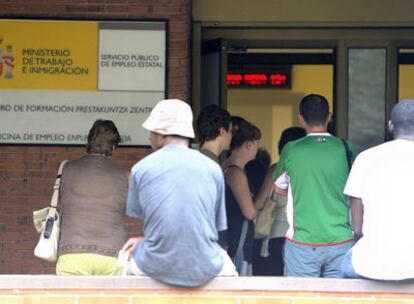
312 172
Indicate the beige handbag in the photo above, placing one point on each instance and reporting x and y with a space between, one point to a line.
47 223
264 221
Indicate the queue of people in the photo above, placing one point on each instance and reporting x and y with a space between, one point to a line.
198 207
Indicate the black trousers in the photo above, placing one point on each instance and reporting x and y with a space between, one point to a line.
272 265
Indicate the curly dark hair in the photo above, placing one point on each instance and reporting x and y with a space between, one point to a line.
209 122
102 137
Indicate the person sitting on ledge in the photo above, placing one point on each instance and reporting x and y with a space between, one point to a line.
379 187
179 193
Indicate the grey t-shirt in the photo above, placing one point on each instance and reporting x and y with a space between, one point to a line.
180 194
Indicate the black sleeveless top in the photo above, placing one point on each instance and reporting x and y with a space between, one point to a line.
235 221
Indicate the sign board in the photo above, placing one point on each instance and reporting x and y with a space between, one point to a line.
58 77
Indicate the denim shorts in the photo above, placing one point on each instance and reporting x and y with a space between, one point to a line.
315 261
347 268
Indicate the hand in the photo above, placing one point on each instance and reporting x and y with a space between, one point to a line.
280 191
357 235
130 245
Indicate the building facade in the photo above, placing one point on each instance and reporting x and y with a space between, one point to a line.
358 54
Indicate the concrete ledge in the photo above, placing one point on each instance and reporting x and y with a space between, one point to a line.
52 282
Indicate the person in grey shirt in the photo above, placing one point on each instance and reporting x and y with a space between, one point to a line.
180 195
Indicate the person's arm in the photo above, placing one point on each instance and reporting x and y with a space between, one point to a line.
265 189
130 245
280 176
237 181
357 213
282 184
280 191
133 206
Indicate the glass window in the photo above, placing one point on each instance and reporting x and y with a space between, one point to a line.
366 96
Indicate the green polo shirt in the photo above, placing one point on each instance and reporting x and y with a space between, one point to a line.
318 212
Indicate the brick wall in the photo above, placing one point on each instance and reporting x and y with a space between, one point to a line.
196 297
252 290
27 173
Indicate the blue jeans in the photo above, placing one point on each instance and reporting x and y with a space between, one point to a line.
314 261
348 270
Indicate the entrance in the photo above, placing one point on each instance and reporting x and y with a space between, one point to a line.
265 85
274 108
368 71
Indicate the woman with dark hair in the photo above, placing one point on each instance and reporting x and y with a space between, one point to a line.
241 205
92 200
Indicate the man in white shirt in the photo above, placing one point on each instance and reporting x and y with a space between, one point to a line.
382 204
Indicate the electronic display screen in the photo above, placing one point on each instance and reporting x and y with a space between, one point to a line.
266 79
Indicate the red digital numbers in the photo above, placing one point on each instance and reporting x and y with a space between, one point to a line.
255 79
234 79
278 79
243 79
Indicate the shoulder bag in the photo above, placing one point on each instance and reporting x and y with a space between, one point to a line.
265 219
47 223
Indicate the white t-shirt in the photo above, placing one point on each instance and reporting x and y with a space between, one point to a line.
383 177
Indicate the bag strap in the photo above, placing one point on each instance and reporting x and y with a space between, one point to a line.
348 153
55 196
242 236
231 166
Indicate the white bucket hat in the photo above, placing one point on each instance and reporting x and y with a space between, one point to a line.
171 117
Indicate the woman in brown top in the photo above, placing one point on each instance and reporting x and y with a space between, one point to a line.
93 196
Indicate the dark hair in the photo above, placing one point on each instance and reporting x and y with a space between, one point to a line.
256 169
290 134
263 158
209 122
243 131
314 109
402 118
102 137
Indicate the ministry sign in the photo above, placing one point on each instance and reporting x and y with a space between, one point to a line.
58 77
